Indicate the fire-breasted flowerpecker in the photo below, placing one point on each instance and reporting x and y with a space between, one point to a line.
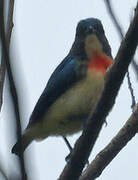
73 89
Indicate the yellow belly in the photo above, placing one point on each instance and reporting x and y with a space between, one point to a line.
67 114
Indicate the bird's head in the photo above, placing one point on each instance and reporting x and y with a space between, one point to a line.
90 38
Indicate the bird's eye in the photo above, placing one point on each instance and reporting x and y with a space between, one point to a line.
81 30
98 28
85 28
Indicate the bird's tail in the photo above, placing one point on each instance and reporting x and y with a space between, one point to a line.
21 146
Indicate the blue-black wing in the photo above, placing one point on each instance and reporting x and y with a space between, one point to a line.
62 78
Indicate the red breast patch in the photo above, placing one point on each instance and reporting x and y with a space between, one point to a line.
99 63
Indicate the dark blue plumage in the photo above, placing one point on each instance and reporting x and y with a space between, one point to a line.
62 78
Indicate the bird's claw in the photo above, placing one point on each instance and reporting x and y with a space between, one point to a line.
68 157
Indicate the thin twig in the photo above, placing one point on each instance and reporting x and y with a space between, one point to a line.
114 18
135 67
3 173
132 93
127 132
8 38
12 85
114 80
2 78
121 33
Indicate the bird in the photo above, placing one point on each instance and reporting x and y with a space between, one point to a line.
74 88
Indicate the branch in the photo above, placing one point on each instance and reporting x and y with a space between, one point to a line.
135 67
114 19
3 173
103 158
113 82
2 78
131 92
8 38
13 91
121 34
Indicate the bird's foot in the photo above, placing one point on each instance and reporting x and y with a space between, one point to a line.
68 157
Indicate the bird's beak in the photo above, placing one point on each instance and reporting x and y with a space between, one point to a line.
90 30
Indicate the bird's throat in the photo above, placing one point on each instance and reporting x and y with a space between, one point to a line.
99 63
